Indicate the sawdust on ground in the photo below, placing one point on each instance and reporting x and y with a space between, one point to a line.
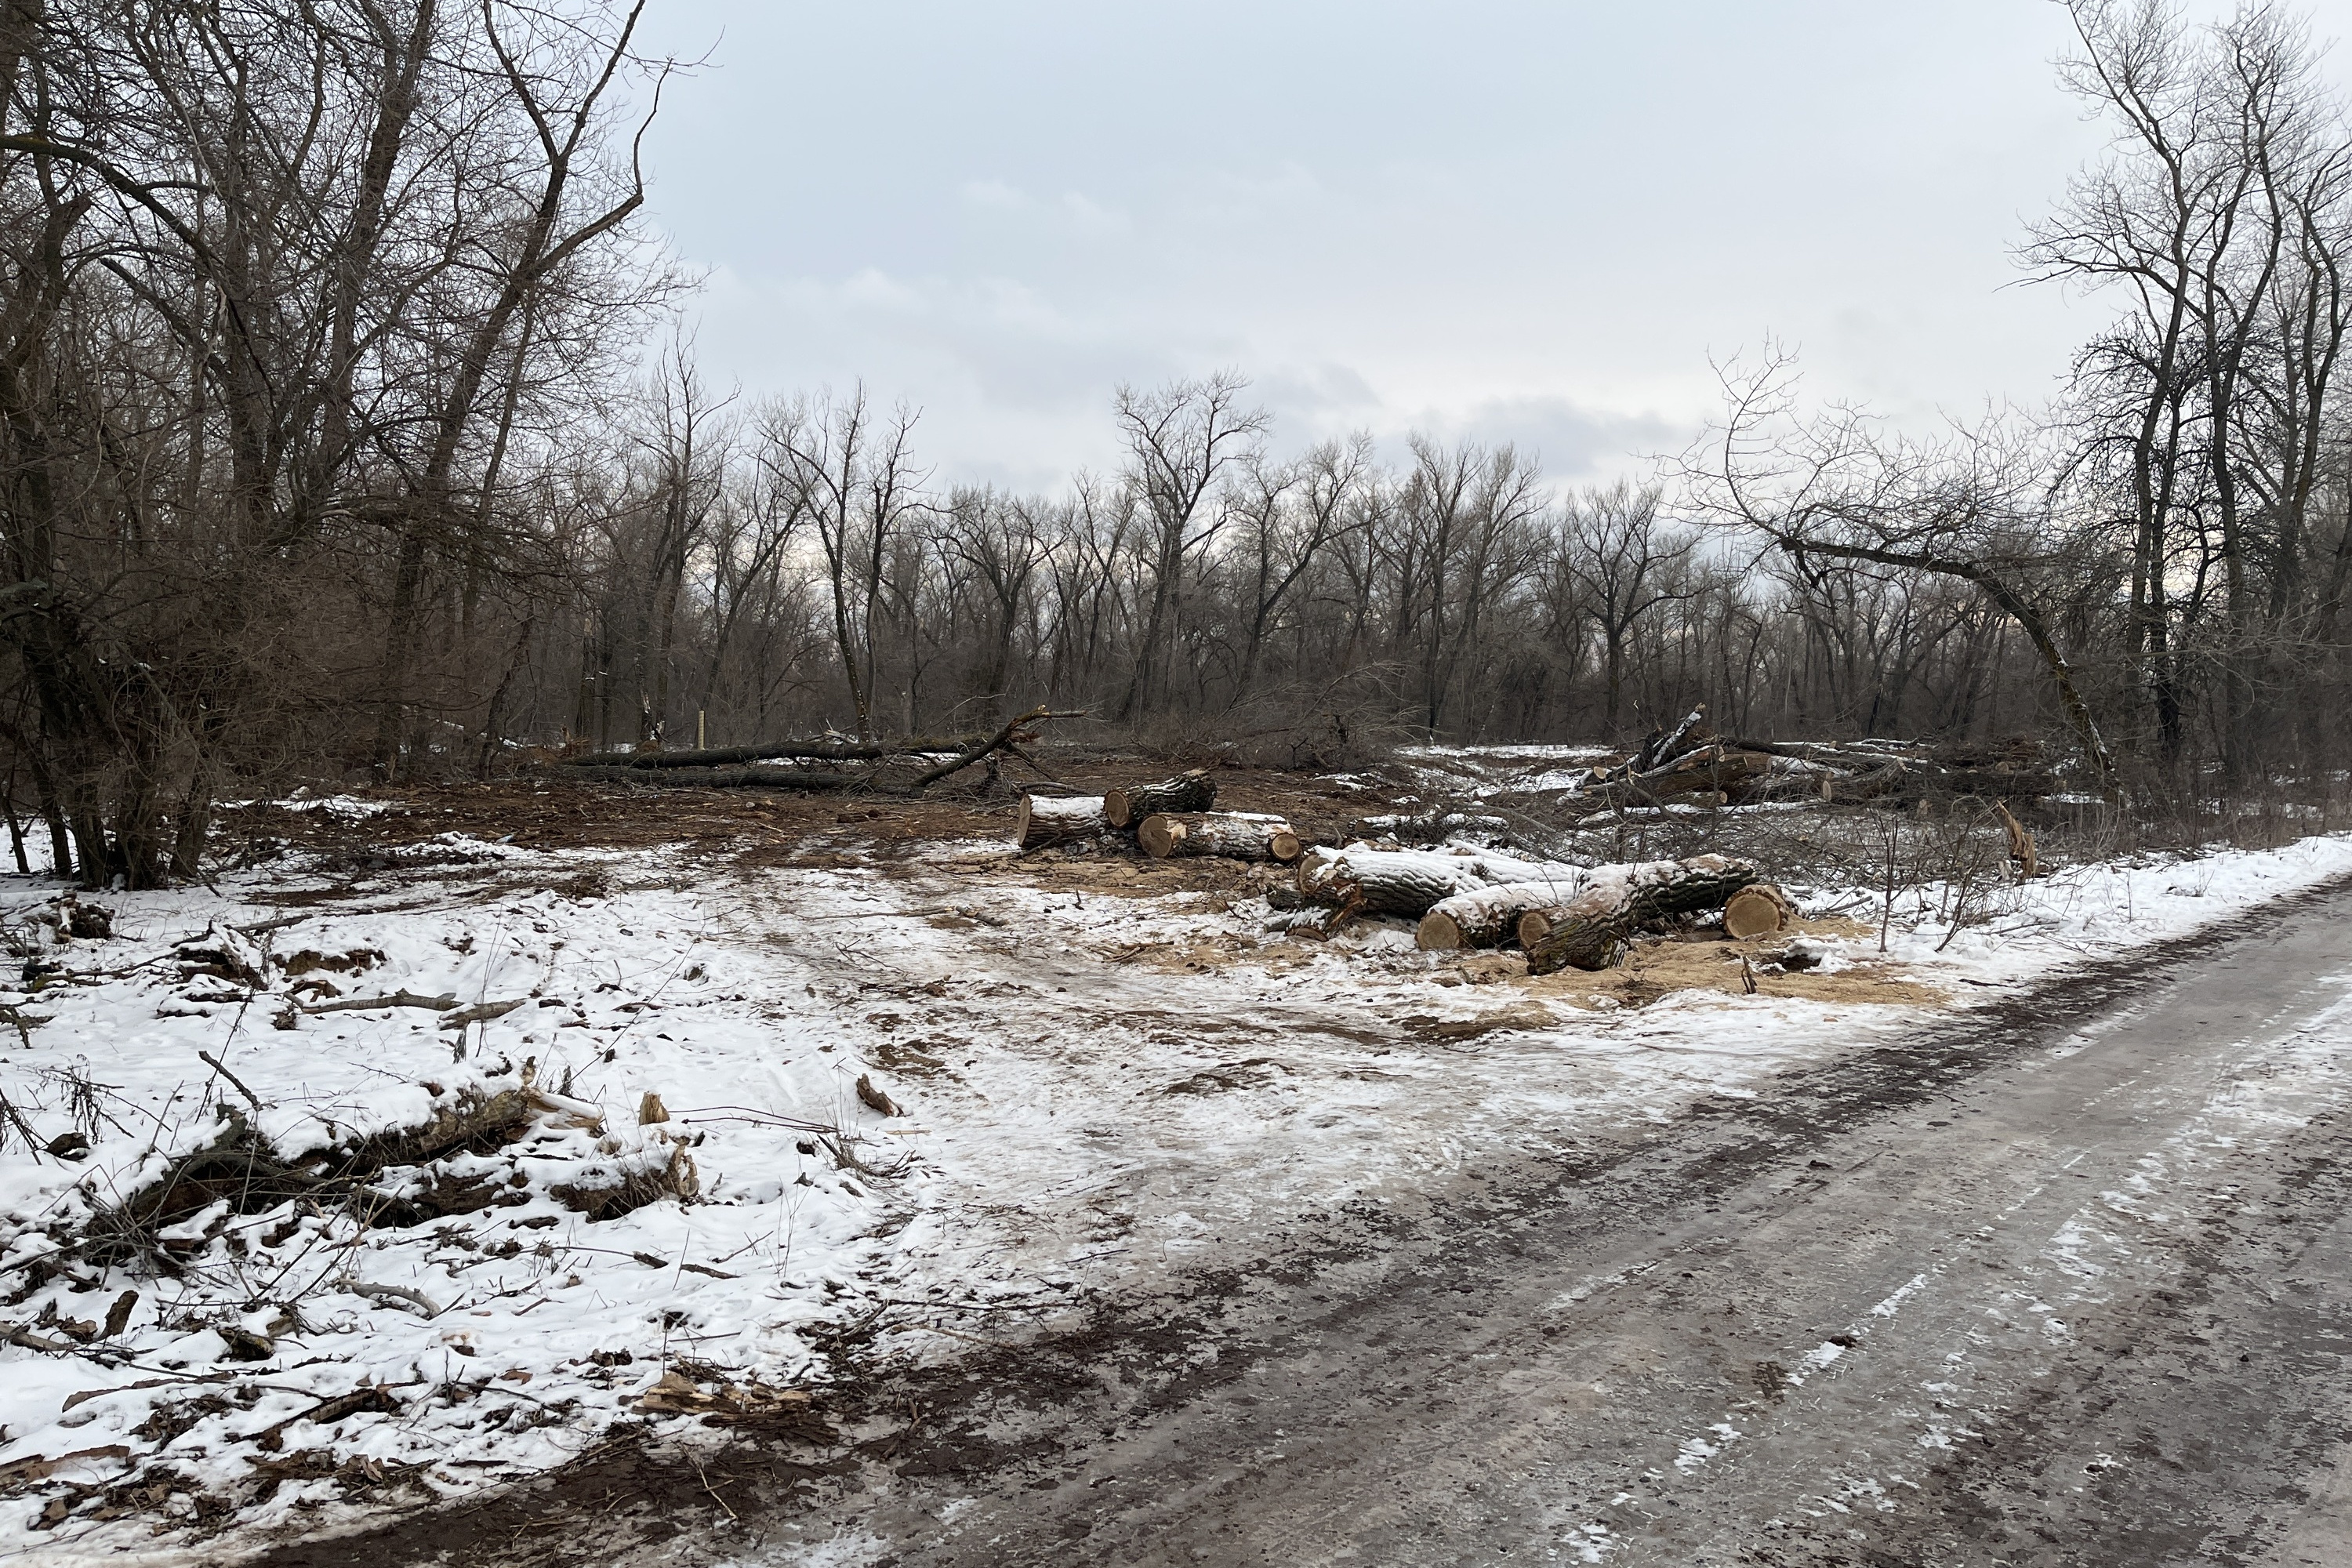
1704 963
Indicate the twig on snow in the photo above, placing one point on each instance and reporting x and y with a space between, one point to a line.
252 1098
402 1293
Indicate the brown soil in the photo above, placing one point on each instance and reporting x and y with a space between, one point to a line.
761 827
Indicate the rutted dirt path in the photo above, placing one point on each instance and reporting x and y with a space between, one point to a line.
2065 1282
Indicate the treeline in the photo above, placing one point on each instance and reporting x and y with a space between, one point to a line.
345 429
754 569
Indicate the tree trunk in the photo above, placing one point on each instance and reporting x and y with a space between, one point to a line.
1405 882
1591 929
1239 836
1046 821
1760 910
1192 792
1488 917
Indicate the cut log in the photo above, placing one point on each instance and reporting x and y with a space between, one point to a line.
1047 821
1384 881
1494 866
1591 929
1193 792
1489 917
1236 835
1757 909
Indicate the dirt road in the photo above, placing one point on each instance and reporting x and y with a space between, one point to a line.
2067 1282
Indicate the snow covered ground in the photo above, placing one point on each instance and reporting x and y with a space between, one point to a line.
1098 1083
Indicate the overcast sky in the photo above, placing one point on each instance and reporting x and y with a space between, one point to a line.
1519 221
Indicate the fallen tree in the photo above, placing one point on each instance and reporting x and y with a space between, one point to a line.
1689 764
1593 930
732 766
1410 882
750 776
1489 916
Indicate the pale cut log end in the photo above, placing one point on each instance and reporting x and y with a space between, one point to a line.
1759 909
1115 808
1286 846
1438 933
1159 835
1536 925
1021 827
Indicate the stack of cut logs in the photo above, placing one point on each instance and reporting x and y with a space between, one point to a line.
1565 915
1578 917
1171 818
1688 764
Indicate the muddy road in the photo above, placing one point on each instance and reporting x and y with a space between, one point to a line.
2068 1281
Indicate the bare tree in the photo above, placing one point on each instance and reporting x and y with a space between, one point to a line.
1623 556
1840 487
1179 440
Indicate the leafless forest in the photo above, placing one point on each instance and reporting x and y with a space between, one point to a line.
349 427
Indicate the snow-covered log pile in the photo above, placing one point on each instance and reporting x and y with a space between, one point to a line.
1490 916
1048 820
1170 818
1591 929
1464 898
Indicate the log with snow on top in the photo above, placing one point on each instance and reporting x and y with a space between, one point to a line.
1236 835
1490 916
1410 882
1046 820
1593 930
1495 866
1190 792
1383 881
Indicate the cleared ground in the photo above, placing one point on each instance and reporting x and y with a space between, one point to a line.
2066 1282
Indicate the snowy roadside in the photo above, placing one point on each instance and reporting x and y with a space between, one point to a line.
1099 1085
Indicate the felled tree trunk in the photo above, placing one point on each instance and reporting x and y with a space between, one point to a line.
1193 792
1757 909
1711 771
1495 868
1239 836
1591 929
1489 917
1046 821
1384 881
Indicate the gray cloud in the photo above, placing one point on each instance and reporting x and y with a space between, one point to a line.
1514 221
